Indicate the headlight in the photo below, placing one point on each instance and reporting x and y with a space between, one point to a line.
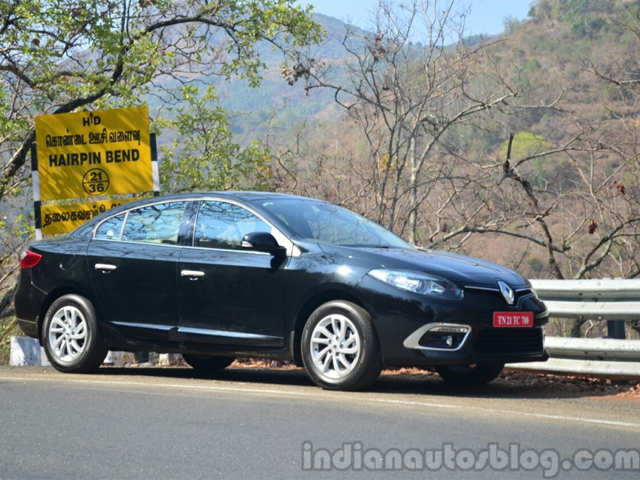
417 282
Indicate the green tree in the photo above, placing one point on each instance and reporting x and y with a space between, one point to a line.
58 56
203 155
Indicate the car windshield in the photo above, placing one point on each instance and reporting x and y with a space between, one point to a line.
327 223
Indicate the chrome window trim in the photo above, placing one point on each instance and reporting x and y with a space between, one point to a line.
253 252
167 245
292 249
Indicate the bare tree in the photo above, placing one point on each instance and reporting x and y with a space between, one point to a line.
407 86
432 173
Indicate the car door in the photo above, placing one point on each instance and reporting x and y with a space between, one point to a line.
132 263
228 294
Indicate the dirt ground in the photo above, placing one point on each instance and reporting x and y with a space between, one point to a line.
567 384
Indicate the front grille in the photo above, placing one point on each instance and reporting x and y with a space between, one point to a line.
490 299
494 341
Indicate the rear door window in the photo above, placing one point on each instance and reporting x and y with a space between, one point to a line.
157 223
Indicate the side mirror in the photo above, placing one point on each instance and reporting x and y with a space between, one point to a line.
262 242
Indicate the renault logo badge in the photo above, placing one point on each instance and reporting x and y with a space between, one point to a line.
507 292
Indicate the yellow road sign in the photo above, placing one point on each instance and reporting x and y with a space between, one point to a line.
57 219
91 154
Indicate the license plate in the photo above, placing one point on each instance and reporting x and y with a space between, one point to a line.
513 319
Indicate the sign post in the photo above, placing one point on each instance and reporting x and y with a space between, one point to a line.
83 159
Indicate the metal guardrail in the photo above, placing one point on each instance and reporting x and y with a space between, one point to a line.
602 299
593 348
605 288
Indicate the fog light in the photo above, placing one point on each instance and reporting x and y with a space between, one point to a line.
440 340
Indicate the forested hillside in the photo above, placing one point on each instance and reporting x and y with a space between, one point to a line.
563 82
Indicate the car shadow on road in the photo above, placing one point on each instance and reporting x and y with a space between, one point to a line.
511 384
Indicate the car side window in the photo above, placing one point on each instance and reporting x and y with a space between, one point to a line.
111 228
223 224
158 223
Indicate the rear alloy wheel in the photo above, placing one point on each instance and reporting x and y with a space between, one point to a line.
339 347
71 337
474 375
207 364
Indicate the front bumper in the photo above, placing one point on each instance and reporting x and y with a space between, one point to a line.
397 315
495 345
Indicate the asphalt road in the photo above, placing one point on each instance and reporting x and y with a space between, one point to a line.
163 423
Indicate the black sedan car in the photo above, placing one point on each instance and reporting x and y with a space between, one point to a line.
250 274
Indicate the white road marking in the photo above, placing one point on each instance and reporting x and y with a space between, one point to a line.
323 395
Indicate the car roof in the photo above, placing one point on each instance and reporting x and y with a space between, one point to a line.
238 195
243 196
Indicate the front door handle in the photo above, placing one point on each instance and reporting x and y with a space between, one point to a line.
105 267
192 274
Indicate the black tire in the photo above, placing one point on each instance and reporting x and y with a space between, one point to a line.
470 375
207 364
365 366
85 355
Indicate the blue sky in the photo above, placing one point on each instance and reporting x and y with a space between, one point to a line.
486 16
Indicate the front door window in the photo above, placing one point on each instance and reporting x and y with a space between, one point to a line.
222 225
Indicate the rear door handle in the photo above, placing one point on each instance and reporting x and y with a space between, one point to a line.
192 274
105 267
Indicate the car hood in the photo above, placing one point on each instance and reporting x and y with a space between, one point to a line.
463 270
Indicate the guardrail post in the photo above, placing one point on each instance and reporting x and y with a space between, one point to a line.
615 329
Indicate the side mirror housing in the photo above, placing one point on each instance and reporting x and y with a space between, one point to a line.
262 242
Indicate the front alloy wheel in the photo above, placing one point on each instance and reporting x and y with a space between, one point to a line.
339 347
335 347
